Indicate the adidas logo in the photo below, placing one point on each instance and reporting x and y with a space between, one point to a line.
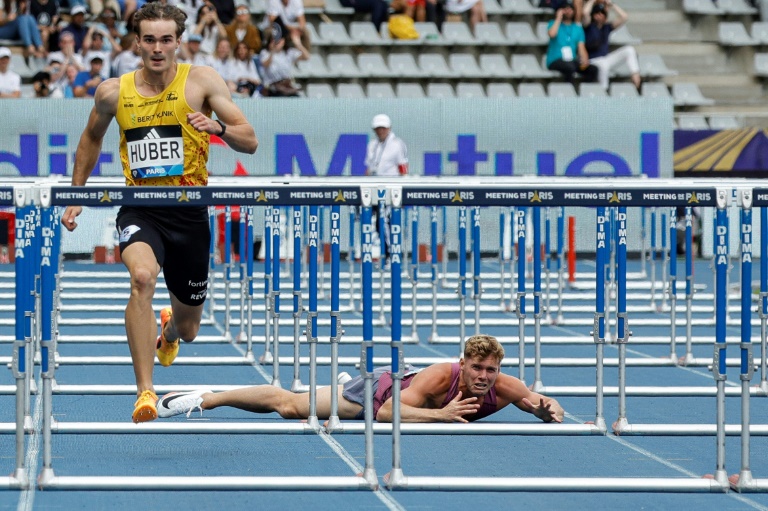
151 135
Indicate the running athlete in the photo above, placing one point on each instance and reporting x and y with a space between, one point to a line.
464 391
164 112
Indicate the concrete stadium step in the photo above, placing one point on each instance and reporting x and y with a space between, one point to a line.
735 89
661 25
689 58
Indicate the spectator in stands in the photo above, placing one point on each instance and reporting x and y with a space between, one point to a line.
597 32
112 30
48 14
190 53
77 26
379 9
225 10
566 51
417 9
247 81
190 8
476 8
59 60
41 83
210 28
15 23
94 45
87 81
128 59
224 61
65 88
10 81
97 7
277 61
243 29
290 15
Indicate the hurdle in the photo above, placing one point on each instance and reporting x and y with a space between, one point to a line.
635 194
53 196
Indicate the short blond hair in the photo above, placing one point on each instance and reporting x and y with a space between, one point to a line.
482 347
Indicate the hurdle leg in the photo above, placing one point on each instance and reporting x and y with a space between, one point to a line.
296 385
312 242
249 269
267 358
351 256
462 290
537 385
652 257
762 307
477 285
396 475
276 297
673 284
336 332
227 273
548 256
520 299
366 356
444 248
560 262
663 260
719 356
688 357
414 212
243 336
502 276
212 263
598 332
382 320
622 332
745 482
433 336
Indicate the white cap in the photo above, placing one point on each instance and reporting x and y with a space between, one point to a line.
78 9
382 121
5 52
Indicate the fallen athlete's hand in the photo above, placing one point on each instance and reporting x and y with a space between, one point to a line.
458 408
203 123
69 216
548 412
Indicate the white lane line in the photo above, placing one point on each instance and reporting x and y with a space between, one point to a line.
384 496
673 466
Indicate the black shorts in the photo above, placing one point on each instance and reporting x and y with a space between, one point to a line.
180 237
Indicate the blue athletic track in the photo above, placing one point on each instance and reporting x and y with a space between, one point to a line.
94 389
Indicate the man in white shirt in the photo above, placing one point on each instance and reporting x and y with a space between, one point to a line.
386 156
10 82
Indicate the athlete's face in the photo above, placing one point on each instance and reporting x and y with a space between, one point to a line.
479 375
158 44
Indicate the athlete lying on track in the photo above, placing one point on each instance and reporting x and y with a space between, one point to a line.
463 391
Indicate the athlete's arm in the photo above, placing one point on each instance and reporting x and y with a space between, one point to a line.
239 133
418 401
89 147
511 390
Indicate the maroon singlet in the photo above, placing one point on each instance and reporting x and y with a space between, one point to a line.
384 392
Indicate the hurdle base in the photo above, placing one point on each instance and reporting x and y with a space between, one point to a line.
266 358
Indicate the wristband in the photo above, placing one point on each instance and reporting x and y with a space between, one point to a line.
223 128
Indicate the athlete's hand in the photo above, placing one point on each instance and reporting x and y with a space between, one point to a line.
548 412
69 216
458 408
203 123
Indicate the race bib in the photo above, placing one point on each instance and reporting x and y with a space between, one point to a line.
155 151
567 53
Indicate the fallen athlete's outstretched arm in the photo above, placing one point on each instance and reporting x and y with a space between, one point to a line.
418 403
511 390
89 147
239 134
